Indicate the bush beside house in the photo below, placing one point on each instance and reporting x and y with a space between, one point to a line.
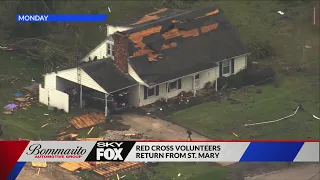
254 74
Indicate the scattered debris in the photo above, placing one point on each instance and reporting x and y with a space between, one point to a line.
179 174
18 94
113 168
45 125
89 139
87 120
267 122
38 172
39 164
68 137
73 166
280 12
11 106
90 131
235 134
21 99
8 112
46 114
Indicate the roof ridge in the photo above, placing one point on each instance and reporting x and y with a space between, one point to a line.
163 19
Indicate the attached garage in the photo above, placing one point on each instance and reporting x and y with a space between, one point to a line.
98 81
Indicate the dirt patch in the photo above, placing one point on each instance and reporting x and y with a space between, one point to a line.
52 172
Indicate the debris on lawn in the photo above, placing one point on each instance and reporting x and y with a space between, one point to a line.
71 136
105 169
283 118
89 139
235 134
46 114
45 125
90 130
113 168
87 120
11 106
21 99
8 112
39 164
73 166
18 94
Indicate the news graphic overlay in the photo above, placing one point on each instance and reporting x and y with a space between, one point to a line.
14 154
61 17
110 151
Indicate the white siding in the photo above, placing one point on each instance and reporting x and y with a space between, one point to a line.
50 81
54 98
186 85
100 51
112 29
240 63
86 80
208 76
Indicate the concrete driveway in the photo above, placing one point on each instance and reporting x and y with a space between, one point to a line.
160 129
308 172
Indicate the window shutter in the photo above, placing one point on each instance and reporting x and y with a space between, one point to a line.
179 84
220 69
145 92
232 65
157 90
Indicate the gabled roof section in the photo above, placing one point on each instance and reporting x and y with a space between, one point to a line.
183 43
108 76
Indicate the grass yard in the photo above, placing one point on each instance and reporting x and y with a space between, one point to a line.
219 120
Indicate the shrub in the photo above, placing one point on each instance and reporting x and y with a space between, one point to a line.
258 74
252 75
260 50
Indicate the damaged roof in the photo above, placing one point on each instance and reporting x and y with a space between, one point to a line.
182 44
107 75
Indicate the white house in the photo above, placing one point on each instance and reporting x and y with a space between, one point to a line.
159 56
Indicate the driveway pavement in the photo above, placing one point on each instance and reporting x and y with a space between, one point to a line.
307 172
160 129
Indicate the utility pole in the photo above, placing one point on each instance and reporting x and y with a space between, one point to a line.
79 70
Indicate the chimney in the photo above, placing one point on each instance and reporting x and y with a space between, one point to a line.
121 52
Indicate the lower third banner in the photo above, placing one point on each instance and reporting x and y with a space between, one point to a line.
14 154
160 151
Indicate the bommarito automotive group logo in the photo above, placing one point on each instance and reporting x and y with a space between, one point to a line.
39 152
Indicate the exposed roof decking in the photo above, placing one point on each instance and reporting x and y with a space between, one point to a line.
190 42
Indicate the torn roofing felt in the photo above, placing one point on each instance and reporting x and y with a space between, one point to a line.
107 75
190 42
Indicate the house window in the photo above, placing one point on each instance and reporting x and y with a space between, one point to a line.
149 92
173 85
197 76
109 49
226 67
